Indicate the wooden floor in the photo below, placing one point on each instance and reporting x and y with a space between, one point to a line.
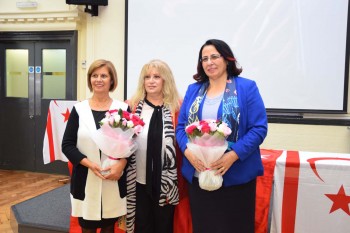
18 186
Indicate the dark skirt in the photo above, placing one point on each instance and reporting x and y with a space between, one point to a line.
150 217
226 210
90 224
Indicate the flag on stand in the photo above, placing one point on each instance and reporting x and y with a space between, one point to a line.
311 193
57 117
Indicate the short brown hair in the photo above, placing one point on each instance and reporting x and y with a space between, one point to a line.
111 70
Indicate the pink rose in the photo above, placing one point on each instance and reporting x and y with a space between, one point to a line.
205 128
190 129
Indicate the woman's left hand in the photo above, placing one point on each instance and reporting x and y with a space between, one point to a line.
224 163
116 170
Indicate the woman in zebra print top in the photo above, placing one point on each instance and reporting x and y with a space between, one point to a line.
157 101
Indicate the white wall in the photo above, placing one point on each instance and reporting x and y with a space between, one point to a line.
103 37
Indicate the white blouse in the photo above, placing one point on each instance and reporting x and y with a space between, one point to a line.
141 140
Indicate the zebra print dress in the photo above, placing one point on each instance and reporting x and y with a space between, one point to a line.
169 193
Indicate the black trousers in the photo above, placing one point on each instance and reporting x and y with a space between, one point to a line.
226 210
150 217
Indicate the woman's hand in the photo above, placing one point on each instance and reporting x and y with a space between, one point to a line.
196 163
95 168
116 170
224 163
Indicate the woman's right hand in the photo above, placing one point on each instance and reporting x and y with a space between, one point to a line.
95 168
196 163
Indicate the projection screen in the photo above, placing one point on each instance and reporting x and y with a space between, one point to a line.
296 51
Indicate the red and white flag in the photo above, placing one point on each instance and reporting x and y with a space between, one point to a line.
264 189
57 118
311 193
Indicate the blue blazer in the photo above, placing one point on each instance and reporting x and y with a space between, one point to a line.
251 132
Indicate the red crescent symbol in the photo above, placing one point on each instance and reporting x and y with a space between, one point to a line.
313 161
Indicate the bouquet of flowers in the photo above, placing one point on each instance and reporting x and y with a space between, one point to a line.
115 138
208 143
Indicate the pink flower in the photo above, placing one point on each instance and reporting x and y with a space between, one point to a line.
189 129
126 115
136 120
208 127
124 122
138 129
112 111
213 126
205 128
118 118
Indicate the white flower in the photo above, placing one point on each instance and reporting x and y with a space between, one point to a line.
224 129
130 124
104 120
116 118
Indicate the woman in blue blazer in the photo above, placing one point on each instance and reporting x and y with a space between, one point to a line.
220 93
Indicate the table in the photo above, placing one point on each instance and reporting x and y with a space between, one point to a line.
311 193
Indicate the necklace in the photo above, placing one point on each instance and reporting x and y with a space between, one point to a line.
100 105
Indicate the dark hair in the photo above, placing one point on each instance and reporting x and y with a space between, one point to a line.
226 52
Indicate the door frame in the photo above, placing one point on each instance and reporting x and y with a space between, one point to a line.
71 38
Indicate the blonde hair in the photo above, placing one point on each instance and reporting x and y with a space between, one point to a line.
111 70
171 96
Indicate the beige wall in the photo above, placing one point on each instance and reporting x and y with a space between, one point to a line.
308 138
103 37
98 37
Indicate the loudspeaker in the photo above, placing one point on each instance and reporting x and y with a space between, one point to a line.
88 2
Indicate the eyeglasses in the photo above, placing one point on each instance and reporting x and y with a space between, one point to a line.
103 76
212 57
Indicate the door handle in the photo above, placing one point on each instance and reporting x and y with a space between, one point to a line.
31 90
37 96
